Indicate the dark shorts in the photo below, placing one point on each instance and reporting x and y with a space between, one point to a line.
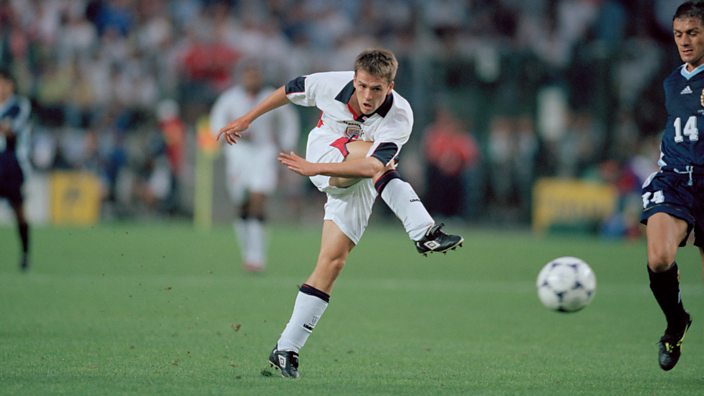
670 192
11 179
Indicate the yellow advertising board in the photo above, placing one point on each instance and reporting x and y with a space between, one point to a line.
569 201
205 157
75 198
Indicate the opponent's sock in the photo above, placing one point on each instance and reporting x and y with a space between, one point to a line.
309 307
404 202
23 229
666 289
255 252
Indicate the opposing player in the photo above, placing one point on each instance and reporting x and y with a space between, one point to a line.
14 131
673 197
251 173
350 156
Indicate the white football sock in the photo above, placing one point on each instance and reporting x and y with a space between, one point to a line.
306 313
255 252
404 202
240 228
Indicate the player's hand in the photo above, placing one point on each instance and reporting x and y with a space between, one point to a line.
233 131
297 164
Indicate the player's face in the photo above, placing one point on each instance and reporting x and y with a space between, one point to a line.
370 91
689 37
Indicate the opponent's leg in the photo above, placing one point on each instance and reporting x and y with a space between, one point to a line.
664 233
23 232
312 300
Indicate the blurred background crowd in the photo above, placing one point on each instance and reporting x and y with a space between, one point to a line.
504 91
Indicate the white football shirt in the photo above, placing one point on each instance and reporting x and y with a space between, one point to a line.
330 92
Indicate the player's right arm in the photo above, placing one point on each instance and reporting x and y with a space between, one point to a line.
233 131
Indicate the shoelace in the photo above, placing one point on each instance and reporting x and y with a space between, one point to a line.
669 347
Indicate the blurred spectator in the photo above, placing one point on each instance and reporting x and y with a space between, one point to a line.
513 150
636 65
55 87
450 150
154 185
523 161
113 15
206 65
625 221
173 133
79 36
98 69
500 152
580 145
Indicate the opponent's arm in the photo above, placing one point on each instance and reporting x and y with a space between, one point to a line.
233 130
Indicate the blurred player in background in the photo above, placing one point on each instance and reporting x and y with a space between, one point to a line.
14 151
251 173
351 157
673 197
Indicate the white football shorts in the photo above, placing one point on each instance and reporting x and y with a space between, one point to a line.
250 168
350 207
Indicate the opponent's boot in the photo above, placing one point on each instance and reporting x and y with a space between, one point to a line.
670 345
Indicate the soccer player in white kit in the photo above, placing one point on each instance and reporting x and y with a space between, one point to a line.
350 156
251 167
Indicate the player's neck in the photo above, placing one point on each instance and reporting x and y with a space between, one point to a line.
689 70
354 105
689 67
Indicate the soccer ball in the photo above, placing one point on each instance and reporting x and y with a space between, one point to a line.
566 284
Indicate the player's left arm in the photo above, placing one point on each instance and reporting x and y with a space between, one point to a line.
363 161
351 168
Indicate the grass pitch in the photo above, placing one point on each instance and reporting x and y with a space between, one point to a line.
162 309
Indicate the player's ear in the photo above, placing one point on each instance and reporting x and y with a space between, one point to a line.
391 86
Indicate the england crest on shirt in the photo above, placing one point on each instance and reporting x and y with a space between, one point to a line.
354 130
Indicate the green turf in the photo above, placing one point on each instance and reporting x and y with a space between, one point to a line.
162 309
